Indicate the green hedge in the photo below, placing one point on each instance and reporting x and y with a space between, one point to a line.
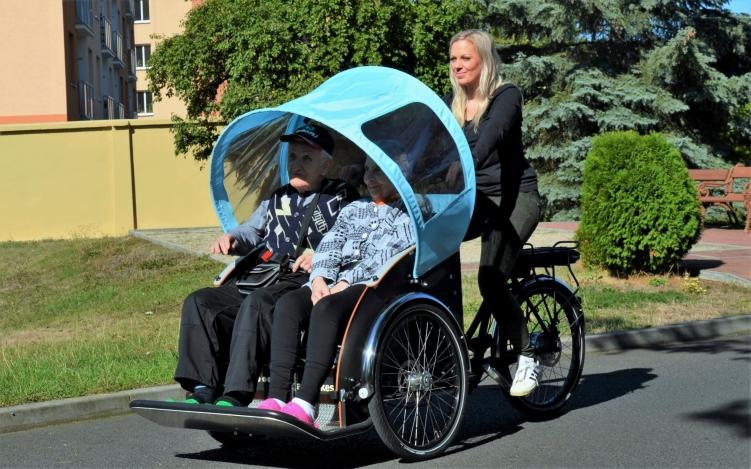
639 209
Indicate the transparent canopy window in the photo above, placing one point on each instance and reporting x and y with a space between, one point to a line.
251 166
420 145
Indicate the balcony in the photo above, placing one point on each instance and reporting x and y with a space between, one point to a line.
86 100
85 17
117 43
120 111
132 66
129 8
109 107
106 35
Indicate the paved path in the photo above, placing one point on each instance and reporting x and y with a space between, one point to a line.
685 405
720 254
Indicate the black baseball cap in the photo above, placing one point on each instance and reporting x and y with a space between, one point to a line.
312 134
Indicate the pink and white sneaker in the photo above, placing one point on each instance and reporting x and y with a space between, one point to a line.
299 413
270 404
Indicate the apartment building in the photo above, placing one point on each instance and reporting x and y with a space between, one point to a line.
156 20
67 60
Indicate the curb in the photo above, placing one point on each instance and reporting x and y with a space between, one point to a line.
26 416
657 336
724 277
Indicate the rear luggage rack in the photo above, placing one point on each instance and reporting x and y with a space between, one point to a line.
562 253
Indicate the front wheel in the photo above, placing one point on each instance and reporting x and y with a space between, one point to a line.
555 323
420 383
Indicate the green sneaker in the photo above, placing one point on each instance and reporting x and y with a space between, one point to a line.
189 400
228 401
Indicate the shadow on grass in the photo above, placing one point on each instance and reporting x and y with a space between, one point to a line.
695 266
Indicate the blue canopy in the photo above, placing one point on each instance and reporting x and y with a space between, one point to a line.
389 116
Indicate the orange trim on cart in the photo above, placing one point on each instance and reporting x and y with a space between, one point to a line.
341 352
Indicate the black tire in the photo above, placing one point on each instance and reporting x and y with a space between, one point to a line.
555 322
420 383
234 440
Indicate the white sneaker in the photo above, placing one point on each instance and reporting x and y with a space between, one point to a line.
525 380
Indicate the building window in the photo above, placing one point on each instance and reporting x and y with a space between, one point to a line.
143 53
142 10
144 102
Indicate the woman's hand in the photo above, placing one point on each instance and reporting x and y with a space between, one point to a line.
319 289
341 285
304 262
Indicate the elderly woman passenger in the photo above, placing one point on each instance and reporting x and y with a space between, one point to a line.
365 236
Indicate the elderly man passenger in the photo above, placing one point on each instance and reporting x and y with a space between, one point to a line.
212 336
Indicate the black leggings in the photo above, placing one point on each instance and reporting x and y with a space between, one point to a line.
327 320
221 327
505 224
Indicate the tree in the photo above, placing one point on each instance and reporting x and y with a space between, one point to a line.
259 53
590 66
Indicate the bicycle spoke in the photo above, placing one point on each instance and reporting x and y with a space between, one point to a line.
420 383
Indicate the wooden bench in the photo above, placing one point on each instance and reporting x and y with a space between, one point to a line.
721 187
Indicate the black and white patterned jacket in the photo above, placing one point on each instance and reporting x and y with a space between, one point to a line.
365 236
277 220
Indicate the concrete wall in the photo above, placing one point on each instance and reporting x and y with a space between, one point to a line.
97 178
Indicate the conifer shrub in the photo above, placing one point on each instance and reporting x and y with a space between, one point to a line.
639 209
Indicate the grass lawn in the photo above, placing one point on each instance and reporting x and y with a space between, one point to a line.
90 316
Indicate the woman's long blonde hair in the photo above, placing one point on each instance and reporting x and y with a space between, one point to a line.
490 77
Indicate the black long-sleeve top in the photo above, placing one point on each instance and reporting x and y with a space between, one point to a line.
496 144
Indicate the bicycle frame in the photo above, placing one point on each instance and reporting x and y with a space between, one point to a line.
525 275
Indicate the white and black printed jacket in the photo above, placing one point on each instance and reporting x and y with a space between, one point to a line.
365 236
277 220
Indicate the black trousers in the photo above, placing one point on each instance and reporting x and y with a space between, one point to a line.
325 323
224 335
504 224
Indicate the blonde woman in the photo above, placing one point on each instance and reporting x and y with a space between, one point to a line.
507 208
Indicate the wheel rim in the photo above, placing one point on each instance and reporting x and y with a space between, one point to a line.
421 381
556 339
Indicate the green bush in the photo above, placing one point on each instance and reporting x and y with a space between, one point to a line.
639 210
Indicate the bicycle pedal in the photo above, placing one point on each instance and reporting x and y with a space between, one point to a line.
495 376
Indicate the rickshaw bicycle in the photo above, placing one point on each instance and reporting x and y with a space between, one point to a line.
405 364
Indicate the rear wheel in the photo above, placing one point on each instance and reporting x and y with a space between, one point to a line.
420 383
556 328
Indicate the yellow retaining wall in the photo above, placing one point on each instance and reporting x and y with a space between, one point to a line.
97 178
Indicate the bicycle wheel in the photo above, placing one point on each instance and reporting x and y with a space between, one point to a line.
420 383
556 328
